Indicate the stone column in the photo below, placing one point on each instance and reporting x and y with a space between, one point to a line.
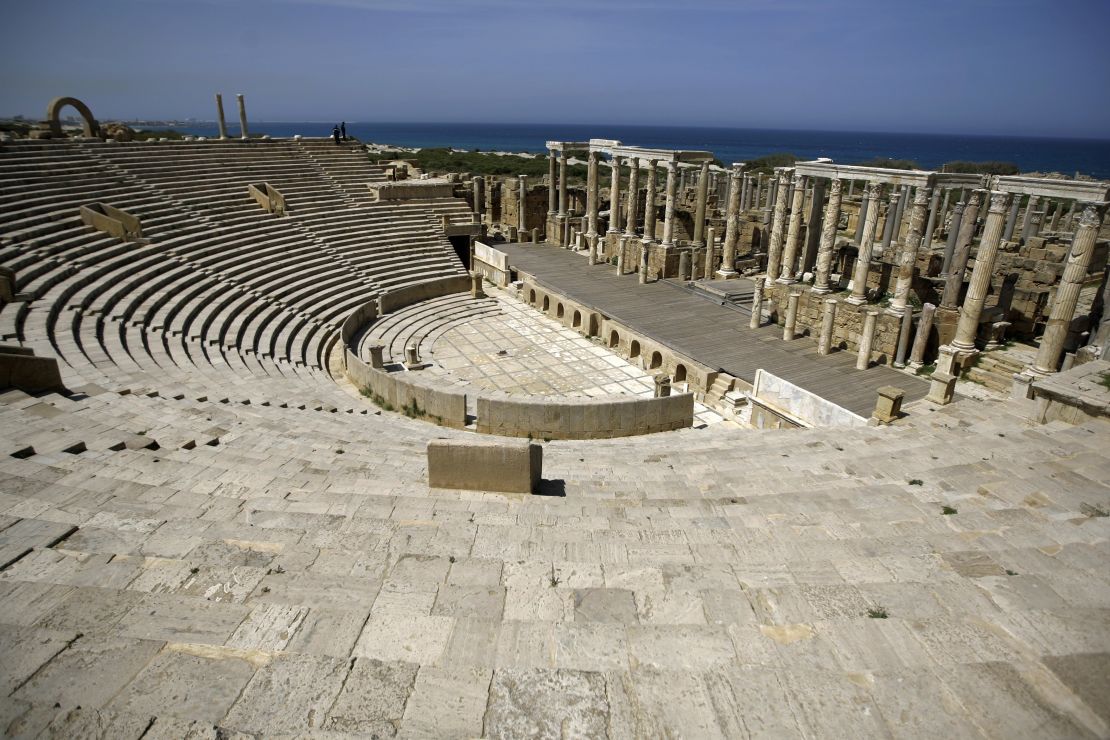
669 205
732 230
562 183
1030 207
522 203
889 224
828 239
921 339
1067 293
757 304
758 189
552 184
778 227
744 194
622 243
220 116
683 264
633 188
1071 216
813 225
980 282
649 203
699 210
866 339
851 188
866 245
791 315
907 258
903 339
828 319
1058 206
1011 220
615 197
643 263
794 232
903 201
864 204
955 278
591 202
932 223
953 236
710 246
242 116
478 193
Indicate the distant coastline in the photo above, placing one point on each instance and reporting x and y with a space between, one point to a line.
1032 154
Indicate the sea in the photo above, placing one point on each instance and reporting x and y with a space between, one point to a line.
930 151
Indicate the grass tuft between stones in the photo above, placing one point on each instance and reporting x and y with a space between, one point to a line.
878 612
948 510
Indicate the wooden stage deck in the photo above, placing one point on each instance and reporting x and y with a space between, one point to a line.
709 333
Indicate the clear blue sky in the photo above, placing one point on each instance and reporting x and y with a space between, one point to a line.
1038 67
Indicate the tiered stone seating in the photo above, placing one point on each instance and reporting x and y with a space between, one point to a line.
421 323
206 539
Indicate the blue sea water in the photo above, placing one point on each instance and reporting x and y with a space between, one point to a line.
1089 156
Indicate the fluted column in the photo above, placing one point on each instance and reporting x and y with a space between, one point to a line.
866 246
669 205
1027 220
828 319
1011 220
955 278
1067 293
552 184
828 238
864 207
591 201
778 226
907 258
562 182
699 209
522 203
980 282
732 229
932 222
220 116
633 192
953 236
649 203
242 116
615 197
794 232
757 304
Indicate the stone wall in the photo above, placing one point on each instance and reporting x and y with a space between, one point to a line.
572 418
846 327
409 390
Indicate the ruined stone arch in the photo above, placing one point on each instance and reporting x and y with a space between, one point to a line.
53 118
546 304
576 321
656 360
532 297
634 349
680 373
614 338
559 311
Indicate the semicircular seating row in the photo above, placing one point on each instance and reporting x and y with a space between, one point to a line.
216 291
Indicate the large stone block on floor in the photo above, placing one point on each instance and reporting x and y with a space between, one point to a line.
509 466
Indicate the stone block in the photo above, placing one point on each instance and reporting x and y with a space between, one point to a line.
509 466
942 386
888 407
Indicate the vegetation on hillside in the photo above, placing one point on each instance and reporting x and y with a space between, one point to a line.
767 164
889 163
479 163
981 168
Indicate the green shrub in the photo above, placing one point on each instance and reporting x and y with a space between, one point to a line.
981 168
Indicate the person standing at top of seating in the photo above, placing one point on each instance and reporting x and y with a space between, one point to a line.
343 130
335 135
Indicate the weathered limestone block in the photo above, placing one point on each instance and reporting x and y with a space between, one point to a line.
888 407
509 466
111 220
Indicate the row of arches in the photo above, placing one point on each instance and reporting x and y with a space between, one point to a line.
589 323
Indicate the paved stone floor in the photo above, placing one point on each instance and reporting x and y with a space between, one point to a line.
716 336
521 351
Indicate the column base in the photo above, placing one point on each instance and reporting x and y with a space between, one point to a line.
727 274
856 300
785 280
895 311
820 290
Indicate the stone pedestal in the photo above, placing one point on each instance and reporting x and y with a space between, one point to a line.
412 361
377 349
942 387
888 407
476 290
662 386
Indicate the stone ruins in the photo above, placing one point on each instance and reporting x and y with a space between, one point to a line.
300 440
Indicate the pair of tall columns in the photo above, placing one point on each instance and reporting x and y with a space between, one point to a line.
699 210
866 246
793 235
649 202
961 253
552 184
907 258
980 282
633 192
778 224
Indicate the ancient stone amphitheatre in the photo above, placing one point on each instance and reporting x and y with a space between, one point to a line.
824 448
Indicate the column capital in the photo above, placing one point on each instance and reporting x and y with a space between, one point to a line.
921 195
873 190
836 184
1000 201
670 166
1091 216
